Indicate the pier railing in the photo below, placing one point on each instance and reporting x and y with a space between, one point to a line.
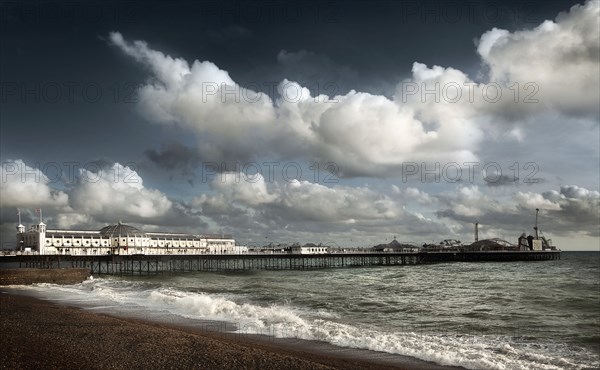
158 264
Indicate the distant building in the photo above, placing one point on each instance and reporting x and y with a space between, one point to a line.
396 247
494 244
309 249
119 239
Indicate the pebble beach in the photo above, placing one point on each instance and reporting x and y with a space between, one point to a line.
38 334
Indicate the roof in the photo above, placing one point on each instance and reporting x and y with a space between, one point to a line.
491 244
121 230
394 245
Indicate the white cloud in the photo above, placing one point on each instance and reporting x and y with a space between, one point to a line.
562 57
25 186
469 203
298 207
363 133
579 207
570 210
450 104
249 190
366 135
536 200
117 191
337 204
72 220
202 98
419 195
372 135
548 77
303 200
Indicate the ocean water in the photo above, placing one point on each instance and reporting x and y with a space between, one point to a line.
509 315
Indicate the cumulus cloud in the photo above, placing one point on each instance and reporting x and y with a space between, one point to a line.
304 200
114 192
202 97
25 186
579 208
298 207
571 209
248 190
533 82
72 220
364 134
372 135
117 191
561 57
536 200
419 196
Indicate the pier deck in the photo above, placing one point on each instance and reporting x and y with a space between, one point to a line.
158 264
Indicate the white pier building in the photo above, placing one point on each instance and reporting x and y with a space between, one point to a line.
119 239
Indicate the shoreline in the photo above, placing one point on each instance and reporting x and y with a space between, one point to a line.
43 334
28 276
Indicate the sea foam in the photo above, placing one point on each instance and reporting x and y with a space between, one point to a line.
285 321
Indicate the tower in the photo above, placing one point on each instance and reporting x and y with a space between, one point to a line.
20 232
537 233
41 239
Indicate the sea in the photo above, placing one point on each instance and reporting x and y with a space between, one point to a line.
488 315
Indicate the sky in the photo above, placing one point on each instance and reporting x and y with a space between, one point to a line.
347 123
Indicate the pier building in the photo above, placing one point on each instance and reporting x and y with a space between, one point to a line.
119 239
309 249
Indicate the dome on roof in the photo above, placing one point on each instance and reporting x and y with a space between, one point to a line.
121 230
491 244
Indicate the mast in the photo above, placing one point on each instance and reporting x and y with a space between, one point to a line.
39 211
537 234
20 227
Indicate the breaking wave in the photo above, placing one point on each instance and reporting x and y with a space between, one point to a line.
286 321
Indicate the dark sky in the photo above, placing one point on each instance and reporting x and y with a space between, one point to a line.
62 80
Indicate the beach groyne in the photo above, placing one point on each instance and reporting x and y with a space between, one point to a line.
26 276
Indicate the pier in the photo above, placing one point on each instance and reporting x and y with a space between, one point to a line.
164 264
